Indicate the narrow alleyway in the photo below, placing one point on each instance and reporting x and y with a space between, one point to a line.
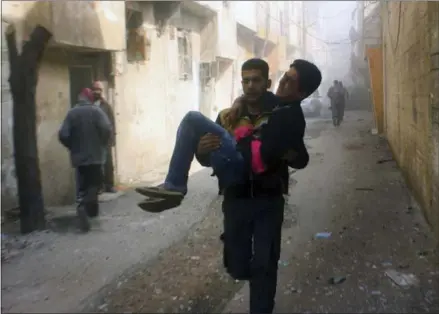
172 262
353 189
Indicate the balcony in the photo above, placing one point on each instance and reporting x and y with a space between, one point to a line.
245 14
84 24
267 26
219 35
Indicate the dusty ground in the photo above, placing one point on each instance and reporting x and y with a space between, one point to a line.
58 270
136 262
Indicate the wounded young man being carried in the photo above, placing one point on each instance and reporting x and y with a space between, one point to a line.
246 154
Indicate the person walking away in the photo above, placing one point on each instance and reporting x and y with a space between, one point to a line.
86 133
335 95
344 99
108 167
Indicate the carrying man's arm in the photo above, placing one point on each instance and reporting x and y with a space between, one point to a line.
282 140
207 144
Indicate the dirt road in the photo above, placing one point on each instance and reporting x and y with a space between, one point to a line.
172 262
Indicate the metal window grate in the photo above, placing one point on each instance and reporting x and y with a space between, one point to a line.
184 54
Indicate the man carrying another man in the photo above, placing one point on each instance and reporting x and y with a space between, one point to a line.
253 209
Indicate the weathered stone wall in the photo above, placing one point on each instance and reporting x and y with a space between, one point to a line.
151 99
410 37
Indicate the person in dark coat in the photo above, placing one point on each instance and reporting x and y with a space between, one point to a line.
86 133
336 96
108 167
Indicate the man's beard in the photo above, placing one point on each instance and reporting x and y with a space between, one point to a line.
252 99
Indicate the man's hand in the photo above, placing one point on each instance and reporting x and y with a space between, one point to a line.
208 143
235 110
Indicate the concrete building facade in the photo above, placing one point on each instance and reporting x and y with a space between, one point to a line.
157 60
78 53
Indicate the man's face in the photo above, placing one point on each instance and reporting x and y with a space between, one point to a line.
253 84
97 93
292 84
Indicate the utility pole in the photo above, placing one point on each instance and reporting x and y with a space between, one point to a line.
303 30
23 80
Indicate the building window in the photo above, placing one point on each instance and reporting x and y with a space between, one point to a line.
138 43
184 54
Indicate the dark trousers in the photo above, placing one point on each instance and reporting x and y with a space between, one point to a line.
108 170
252 244
89 181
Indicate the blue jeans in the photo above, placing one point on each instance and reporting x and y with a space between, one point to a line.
227 162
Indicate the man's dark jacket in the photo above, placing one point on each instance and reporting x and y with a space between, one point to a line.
274 181
86 132
106 108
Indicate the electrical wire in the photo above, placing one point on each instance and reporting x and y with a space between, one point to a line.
331 17
341 42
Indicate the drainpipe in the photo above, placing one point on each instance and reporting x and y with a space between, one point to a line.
433 17
383 19
361 24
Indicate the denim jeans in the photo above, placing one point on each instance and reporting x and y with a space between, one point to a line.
226 161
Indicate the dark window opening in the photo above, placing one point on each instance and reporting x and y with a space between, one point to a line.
138 44
184 54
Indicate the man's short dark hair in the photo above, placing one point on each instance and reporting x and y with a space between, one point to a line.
256 64
310 76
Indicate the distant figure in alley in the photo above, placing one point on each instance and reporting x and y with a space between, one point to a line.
336 97
344 99
108 168
86 133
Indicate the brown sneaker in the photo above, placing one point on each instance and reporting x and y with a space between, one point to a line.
84 224
158 205
159 192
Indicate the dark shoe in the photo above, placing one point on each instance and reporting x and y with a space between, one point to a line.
159 192
158 205
92 210
84 224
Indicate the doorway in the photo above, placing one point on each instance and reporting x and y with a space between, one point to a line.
81 76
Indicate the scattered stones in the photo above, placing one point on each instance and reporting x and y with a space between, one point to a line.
323 235
283 263
336 280
401 279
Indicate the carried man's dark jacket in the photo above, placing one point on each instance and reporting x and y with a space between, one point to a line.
275 180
